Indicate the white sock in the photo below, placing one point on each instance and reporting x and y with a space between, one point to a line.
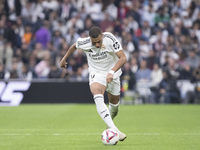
113 108
103 111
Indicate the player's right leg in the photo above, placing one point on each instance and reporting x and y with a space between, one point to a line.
98 90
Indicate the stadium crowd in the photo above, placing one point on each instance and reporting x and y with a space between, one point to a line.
161 39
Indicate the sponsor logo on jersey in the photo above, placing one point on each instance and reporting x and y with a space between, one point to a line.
97 56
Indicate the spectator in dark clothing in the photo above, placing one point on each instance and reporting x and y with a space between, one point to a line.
128 76
133 11
104 24
169 92
10 35
66 10
13 12
55 72
186 72
122 10
2 73
152 59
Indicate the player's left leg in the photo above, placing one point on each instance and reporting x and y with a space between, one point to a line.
113 91
113 104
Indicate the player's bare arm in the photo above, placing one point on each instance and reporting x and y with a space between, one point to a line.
122 60
63 63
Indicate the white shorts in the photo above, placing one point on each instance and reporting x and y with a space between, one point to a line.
113 87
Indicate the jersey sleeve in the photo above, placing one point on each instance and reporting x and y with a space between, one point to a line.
113 42
83 43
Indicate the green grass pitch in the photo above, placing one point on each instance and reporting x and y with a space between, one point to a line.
79 127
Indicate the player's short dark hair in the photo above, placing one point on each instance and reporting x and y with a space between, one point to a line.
95 32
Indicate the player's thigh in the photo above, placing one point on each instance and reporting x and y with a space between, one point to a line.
97 83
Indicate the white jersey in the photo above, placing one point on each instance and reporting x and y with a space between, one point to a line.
101 59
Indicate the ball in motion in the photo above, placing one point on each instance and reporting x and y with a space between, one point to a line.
110 137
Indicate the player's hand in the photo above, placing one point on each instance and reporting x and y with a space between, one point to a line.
109 78
63 64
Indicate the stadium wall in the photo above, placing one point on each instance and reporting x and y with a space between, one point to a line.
13 93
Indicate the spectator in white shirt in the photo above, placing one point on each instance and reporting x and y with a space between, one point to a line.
149 16
94 10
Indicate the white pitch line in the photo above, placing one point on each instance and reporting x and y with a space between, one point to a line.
75 134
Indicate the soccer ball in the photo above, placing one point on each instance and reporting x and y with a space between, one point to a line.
110 137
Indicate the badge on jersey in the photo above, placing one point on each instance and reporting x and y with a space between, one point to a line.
103 46
116 45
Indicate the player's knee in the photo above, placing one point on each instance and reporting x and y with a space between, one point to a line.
115 101
95 92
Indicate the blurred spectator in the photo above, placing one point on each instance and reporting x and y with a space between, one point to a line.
75 22
152 59
105 23
149 16
170 53
13 8
186 72
8 55
43 35
26 74
146 30
128 77
27 35
161 17
192 59
72 36
130 44
57 39
112 10
187 22
85 71
169 92
177 7
158 45
94 10
133 10
134 65
88 23
42 69
122 10
143 73
2 72
156 75
143 49
55 72
66 9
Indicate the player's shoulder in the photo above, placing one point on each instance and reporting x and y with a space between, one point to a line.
83 43
109 36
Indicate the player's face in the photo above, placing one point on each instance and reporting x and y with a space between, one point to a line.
97 42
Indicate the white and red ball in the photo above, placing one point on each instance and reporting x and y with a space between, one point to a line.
110 137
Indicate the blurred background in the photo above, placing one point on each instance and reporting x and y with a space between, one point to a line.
161 39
